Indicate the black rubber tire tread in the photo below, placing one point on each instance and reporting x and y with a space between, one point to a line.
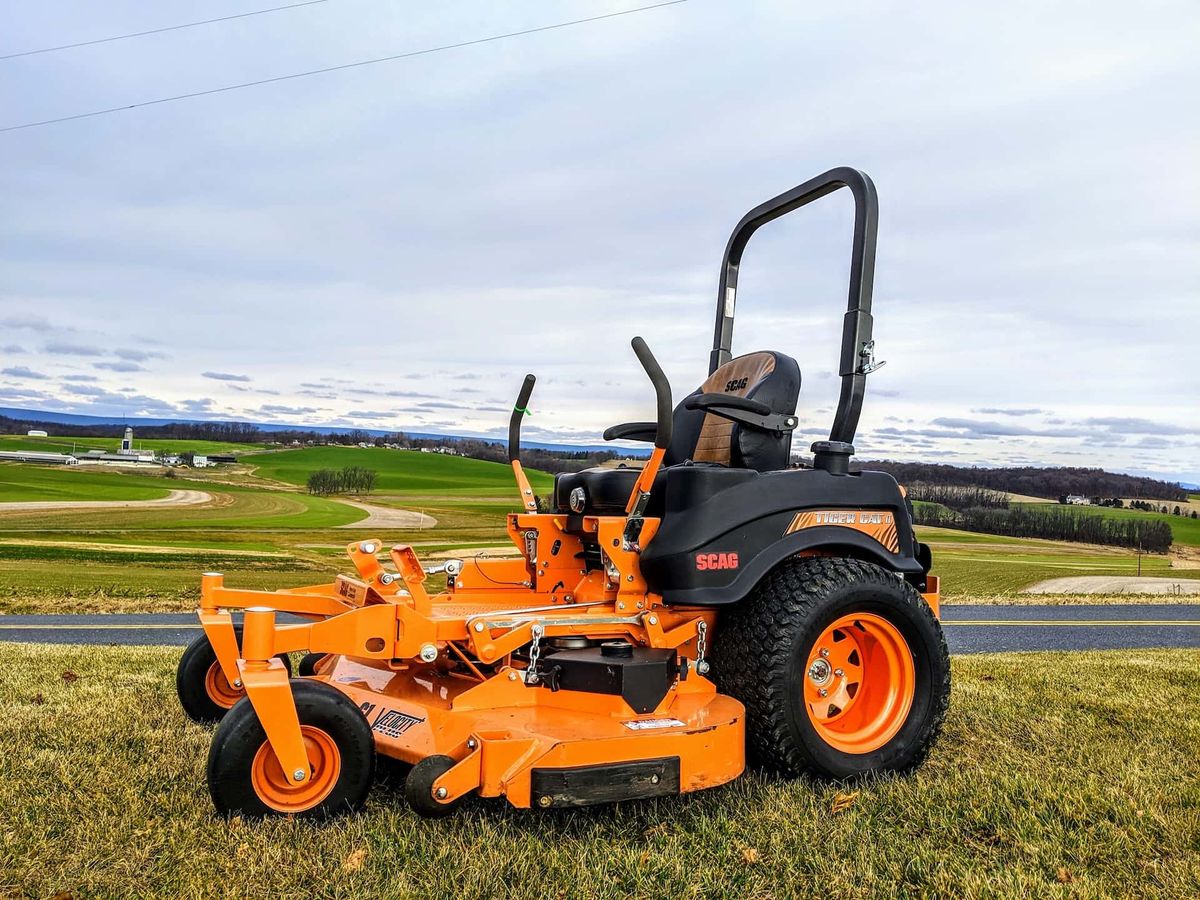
762 645
308 664
193 666
418 787
240 735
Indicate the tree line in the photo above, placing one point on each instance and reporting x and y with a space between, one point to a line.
1032 481
958 496
349 480
1052 522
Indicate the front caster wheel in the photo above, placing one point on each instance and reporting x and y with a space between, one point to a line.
245 778
204 691
418 787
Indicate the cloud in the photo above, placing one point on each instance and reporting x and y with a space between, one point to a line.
80 378
119 366
281 410
370 414
1133 425
224 376
1000 411
24 396
203 404
994 429
62 348
139 355
22 372
28 323
12 348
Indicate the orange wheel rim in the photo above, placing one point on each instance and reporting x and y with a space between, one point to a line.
859 683
283 795
220 691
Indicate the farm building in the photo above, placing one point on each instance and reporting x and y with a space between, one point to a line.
36 432
133 458
34 456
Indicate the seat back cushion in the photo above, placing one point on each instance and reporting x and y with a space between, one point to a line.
767 376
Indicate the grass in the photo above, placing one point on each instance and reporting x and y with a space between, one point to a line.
237 505
402 472
25 483
95 560
104 794
989 566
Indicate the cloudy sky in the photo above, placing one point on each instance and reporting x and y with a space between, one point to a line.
394 246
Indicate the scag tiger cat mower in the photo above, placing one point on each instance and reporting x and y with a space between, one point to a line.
657 624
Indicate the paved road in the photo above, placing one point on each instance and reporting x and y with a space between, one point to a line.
969 629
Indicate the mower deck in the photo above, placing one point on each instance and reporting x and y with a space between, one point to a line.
509 734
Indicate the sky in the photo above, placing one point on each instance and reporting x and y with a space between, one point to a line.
394 246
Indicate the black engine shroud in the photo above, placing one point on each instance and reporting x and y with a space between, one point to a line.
723 529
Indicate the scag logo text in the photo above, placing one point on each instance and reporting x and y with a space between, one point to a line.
706 561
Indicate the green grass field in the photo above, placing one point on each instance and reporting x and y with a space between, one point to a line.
401 472
32 482
1096 794
83 560
992 567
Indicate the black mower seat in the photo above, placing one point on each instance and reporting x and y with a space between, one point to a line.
769 377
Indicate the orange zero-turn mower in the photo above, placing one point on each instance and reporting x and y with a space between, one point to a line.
659 624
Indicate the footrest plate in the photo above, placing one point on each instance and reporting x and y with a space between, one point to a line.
607 783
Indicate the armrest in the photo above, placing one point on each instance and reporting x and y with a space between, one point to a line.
632 431
729 401
744 411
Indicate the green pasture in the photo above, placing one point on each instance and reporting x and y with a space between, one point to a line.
270 533
402 472
993 566
20 482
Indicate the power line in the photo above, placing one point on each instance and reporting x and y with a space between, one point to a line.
353 65
121 37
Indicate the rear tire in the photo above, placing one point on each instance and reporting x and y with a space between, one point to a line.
853 630
245 779
204 692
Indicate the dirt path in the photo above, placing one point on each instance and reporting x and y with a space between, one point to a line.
174 498
1115 584
388 517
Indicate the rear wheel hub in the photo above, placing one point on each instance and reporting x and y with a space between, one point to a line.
860 683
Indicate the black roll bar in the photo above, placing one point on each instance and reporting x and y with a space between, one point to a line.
857 346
